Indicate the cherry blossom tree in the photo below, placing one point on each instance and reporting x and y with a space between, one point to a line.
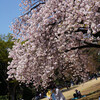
50 35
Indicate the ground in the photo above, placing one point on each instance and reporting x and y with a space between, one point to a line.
91 89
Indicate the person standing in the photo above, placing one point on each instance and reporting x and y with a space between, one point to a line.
99 97
53 96
59 95
48 94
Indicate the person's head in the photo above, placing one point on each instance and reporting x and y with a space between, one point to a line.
76 90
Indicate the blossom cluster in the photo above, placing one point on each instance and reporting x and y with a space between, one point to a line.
42 36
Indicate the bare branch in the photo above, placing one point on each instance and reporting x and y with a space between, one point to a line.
34 7
87 45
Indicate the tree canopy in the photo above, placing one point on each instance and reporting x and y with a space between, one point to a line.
5 44
53 32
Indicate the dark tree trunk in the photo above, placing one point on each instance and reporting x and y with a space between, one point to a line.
12 91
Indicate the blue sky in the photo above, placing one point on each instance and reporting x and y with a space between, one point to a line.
9 10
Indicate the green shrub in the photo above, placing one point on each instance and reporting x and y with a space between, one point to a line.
4 97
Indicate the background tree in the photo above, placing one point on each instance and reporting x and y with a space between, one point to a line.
5 44
6 87
11 89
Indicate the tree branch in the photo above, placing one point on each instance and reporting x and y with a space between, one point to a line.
34 7
88 45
